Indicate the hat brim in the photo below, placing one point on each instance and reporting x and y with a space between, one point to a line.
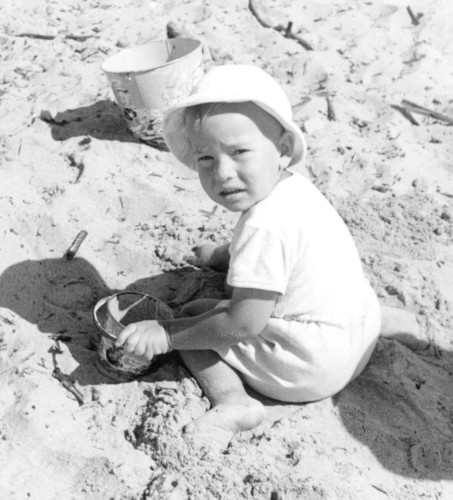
177 140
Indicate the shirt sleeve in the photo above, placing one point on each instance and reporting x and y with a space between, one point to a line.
259 259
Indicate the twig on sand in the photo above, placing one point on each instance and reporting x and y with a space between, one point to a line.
415 108
300 41
72 250
286 30
414 18
61 377
375 486
43 36
205 212
331 115
259 17
211 213
408 107
6 320
448 195
68 385
38 36
405 113
77 164
311 172
80 38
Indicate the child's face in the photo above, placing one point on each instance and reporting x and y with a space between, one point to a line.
237 150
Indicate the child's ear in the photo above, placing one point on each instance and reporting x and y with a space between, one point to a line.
286 148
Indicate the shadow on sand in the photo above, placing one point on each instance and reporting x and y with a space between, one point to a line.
102 120
59 295
400 407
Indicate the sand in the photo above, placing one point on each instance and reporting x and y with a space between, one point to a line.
68 163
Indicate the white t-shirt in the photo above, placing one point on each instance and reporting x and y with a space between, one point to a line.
326 320
295 243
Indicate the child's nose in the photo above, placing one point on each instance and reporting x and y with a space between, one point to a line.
225 168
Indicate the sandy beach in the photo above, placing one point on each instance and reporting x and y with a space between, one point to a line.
371 86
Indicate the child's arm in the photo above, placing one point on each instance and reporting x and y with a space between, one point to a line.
210 255
245 317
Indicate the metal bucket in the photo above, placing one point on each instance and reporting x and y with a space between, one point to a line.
149 78
111 315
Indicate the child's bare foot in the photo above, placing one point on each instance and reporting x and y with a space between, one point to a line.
217 427
402 325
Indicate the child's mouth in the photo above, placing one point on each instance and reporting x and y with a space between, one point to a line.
230 192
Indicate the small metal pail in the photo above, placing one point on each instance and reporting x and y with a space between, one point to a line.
111 315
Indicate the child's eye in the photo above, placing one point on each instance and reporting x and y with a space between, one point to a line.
240 151
204 160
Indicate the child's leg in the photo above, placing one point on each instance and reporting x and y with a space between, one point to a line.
232 411
402 325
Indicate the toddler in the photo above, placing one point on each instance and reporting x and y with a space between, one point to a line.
302 321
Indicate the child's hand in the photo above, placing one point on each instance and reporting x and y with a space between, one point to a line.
145 338
203 255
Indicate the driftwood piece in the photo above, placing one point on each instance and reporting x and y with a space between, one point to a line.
64 380
68 385
286 30
414 18
406 108
79 165
415 108
37 36
331 115
72 250
44 36
405 113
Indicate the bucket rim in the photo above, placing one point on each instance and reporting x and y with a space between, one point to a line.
103 302
197 45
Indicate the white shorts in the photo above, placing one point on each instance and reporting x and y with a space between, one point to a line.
296 361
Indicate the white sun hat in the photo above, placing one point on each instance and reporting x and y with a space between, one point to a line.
232 83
